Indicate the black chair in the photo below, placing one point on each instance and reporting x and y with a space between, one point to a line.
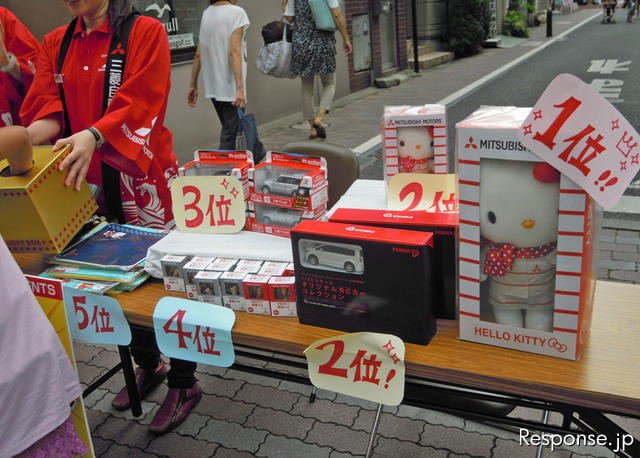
343 167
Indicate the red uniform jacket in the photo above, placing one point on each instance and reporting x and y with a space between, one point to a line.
139 145
21 43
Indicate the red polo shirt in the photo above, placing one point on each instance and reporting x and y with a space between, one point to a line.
21 43
139 145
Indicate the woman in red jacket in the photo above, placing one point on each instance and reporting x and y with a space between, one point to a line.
18 52
112 114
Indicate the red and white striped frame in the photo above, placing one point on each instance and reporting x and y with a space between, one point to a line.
573 267
390 141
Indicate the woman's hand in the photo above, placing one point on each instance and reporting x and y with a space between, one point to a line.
83 144
192 96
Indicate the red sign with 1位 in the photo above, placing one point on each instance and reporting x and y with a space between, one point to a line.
581 134
435 193
96 319
364 365
208 204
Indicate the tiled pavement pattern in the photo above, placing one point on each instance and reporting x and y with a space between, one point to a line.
243 415
249 415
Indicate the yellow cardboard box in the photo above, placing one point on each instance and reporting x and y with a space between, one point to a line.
38 214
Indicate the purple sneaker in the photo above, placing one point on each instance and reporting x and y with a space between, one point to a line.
175 408
145 383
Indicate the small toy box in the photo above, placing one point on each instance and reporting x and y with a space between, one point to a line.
222 264
232 291
256 294
39 213
414 140
528 242
290 181
279 220
217 163
273 268
172 274
282 293
364 278
444 227
249 266
290 270
190 270
208 284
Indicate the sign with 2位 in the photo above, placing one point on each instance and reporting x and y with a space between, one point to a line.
364 365
96 319
194 331
581 134
435 193
208 204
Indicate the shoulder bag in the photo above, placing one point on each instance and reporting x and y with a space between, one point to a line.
322 16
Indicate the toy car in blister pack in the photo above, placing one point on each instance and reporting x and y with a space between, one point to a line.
289 181
279 220
221 163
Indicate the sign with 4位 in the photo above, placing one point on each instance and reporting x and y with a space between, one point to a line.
581 134
208 204
95 318
194 331
435 193
364 365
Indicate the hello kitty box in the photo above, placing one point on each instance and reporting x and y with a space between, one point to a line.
414 140
528 242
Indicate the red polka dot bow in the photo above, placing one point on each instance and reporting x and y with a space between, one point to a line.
500 256
408 163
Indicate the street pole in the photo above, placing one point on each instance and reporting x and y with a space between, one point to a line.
549 16
414 26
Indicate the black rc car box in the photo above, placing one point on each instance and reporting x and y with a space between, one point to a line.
364 278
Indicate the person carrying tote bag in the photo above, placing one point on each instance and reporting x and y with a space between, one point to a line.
274 57
314 53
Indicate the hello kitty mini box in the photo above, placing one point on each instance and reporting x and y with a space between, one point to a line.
528 242
414 140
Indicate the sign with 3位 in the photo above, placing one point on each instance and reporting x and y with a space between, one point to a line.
208 204
581 134
435 193
194 331
95 318
364 365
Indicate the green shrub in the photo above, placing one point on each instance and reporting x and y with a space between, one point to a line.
468 26
515 22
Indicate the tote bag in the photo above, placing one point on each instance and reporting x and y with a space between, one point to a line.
247 136
274 57
322 16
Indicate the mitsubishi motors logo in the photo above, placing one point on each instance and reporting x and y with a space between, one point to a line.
118 49
471 144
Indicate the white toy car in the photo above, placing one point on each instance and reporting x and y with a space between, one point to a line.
284 185
283 217
337 255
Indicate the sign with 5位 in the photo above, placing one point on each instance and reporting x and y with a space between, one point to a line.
364 365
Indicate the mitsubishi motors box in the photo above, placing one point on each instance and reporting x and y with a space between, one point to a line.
39 213
528 242
444 227
290 181
414 140
218 163
364 278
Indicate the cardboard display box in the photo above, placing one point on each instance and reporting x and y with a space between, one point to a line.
215 163
444 227
172 271
232 290
40 214
414 140
290 181
256 294
279 220
528 242
364 278
190 270
208 284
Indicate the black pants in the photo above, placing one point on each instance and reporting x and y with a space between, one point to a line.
146 355
228 115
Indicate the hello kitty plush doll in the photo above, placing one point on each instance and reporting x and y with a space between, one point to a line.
519 232
415 149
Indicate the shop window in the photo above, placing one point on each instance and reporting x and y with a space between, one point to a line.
181 20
